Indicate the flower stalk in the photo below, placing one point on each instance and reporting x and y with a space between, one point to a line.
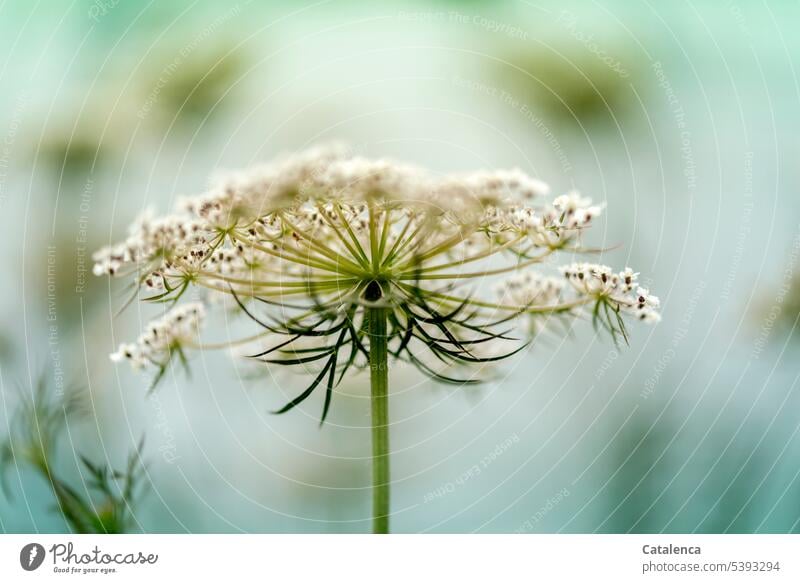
379 400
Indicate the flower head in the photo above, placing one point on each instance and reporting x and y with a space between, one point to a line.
164 337
307 246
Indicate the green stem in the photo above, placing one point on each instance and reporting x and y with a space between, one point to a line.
379 381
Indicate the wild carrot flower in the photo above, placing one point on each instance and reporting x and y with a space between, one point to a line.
344 263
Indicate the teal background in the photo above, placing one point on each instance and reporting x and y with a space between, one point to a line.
682 117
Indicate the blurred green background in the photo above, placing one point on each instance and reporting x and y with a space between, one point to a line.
682 117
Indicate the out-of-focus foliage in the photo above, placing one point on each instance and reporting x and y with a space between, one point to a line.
104 501
200 86
572 87
72 155
791 308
